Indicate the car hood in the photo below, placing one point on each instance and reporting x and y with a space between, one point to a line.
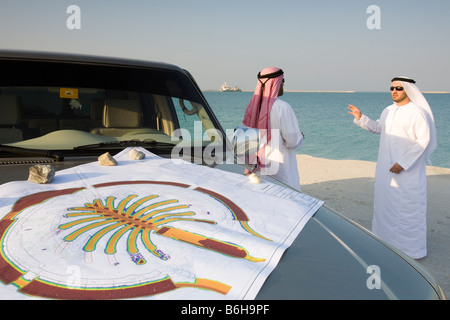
335 258
332 258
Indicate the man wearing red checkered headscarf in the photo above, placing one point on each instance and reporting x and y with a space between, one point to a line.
278 128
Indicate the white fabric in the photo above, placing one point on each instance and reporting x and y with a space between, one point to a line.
286 137
416 96
39 249
400 200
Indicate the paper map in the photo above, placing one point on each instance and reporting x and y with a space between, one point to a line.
145 229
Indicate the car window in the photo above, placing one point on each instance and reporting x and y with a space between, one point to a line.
64 106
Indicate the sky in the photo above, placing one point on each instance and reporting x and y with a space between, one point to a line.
321 45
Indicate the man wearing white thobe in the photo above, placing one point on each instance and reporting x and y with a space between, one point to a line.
407 138
281 158
279 132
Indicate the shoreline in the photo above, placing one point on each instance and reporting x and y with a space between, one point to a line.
346 186
324 91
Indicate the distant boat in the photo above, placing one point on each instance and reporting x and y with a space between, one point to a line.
226 88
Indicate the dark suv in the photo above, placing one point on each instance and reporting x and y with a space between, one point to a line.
66 111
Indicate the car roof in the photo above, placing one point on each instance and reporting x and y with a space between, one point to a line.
84 58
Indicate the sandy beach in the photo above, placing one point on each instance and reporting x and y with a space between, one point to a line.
347 187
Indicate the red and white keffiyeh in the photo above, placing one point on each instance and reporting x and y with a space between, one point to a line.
257 114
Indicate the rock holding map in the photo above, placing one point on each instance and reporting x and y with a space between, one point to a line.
41 173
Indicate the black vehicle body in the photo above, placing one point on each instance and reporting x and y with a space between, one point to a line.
332 258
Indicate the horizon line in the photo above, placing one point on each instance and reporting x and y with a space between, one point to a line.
328 91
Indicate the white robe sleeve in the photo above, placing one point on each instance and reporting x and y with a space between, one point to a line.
289 129
368 124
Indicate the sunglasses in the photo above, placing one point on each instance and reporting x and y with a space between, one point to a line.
397 88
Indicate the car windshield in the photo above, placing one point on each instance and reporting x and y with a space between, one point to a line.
75 107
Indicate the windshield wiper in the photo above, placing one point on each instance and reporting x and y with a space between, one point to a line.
57 155
126 143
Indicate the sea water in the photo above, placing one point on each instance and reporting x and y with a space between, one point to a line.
328 128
